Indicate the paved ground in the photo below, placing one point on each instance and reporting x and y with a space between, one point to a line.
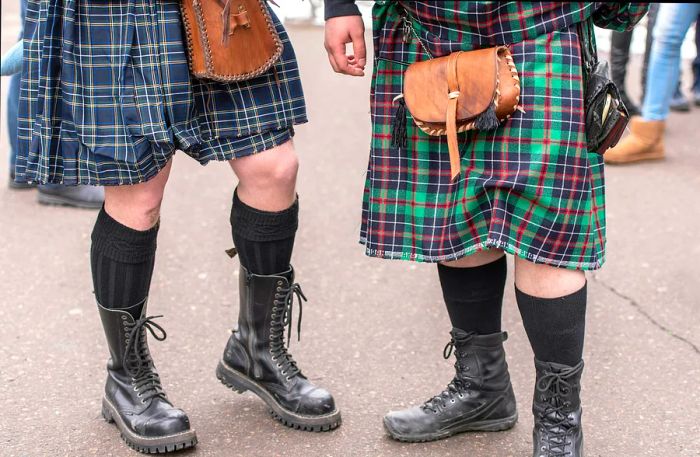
373 330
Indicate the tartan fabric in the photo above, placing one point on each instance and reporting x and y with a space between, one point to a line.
530 187
107 97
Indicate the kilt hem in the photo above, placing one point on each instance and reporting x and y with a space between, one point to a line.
478 247
219 149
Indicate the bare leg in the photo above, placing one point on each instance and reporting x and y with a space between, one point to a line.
545 281
267 181
137 206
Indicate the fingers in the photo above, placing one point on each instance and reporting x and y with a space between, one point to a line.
359 49
339 32
343 63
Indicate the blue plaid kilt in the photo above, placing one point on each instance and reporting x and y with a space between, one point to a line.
107 97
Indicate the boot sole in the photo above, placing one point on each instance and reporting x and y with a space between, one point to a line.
144 444
634 159
495 425
240 383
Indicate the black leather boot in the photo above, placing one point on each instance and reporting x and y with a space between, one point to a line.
256 357
557 410
479 398
134 398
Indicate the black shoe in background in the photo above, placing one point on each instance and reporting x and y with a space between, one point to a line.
632 108
89 197
679 102
14 185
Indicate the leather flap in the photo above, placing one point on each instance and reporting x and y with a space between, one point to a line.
426 86
230 40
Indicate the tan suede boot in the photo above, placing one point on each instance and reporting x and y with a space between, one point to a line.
645 142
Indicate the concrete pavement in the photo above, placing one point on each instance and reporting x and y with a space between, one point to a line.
373 330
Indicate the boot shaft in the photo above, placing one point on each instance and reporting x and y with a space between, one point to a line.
258 295
482 359
116 324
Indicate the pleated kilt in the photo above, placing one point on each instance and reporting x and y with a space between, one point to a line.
530 187
107 97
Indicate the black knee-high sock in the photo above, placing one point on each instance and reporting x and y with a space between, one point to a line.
555 326
264 240
122 262
474 296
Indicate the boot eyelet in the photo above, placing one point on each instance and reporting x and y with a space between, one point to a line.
143 402
453 400
284 373
288 378
123 317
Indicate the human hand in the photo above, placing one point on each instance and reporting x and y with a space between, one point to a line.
340 31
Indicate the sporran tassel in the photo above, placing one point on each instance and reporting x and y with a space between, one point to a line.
487 120
398 125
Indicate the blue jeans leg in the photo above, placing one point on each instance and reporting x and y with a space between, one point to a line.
672 23
12 108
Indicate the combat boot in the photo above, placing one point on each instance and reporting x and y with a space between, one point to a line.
256 358
134 398
479 398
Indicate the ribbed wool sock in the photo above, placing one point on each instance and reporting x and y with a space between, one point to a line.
122 262
474 296
555 326
264 240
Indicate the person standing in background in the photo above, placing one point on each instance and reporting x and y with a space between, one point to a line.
646 138
90 197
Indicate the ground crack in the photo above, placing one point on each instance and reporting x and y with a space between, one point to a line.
649 317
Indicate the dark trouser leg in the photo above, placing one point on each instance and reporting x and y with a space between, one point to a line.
619 57
651 22
474 296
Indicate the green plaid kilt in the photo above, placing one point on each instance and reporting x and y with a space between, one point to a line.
107 97
530 187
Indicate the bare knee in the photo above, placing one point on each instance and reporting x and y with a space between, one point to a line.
476 260
274 168
547 281
267 180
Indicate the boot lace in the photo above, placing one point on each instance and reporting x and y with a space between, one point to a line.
459 384
137 358
281 318
554 418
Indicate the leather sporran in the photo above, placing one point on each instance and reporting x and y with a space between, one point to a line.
229 40
465 90
606 114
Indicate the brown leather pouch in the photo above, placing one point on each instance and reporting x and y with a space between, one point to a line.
229 40
463 91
